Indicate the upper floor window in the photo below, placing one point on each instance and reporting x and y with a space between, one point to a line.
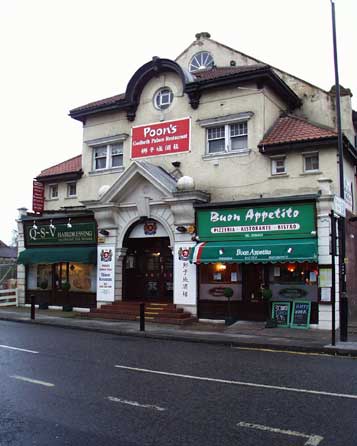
227 138
201 61
53 191
71 189
163 98
311 162
108 156
278 165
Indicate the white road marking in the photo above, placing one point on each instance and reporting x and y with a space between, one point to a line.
19 349
312 440
33 381
135 403
240 383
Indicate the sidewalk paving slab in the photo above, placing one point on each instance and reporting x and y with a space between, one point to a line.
241 334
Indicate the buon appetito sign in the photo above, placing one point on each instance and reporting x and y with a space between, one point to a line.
161 138
272 222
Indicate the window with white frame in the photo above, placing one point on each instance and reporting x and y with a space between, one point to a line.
53 191
108 156
227 138
311 162
278 165
163 98
71 189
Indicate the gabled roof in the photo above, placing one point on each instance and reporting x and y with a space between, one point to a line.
193 84
7 252
73 165
291 129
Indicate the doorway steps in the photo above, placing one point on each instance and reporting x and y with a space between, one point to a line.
154 312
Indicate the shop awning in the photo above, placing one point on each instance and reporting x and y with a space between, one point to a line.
262 251
83 254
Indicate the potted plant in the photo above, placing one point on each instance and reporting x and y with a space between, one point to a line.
66 286
228 293
267 295
43 286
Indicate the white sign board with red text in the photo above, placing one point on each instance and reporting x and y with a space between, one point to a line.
185 283
161 138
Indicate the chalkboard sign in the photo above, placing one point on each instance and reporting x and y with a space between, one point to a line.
281 313
301 314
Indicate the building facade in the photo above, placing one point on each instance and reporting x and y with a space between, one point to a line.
211 171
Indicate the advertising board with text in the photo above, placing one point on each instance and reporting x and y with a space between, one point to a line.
285 220
161 138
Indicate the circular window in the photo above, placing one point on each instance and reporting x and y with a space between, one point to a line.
201 61
163 98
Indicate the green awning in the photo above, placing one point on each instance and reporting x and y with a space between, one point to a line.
263 251
56 255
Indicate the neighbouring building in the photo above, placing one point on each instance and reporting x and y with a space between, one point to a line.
211 171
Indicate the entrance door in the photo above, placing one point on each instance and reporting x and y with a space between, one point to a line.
253 278
148 270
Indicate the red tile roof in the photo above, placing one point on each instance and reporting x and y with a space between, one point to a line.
290 129
213 73
99 103
217 72
69 166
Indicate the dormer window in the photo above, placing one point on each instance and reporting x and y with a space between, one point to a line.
201 61
163 98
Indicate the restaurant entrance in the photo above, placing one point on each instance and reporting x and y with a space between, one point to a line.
148 270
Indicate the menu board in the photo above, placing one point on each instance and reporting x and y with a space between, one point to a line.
281 313
301 314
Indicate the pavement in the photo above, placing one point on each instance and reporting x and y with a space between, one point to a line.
242 334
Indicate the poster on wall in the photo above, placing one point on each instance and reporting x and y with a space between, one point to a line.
105 273
185 288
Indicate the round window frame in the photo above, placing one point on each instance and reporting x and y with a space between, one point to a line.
199 69
157 94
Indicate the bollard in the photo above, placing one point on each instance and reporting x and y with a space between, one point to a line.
142 317
33 298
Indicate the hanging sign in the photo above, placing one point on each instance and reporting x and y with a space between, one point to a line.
105 273
160 138
38 196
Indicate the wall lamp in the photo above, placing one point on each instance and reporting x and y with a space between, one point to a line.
103 232
52 226
34 225
69 224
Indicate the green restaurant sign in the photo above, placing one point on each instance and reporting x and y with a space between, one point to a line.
60 234
249 223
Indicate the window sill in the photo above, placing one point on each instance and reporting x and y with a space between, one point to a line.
52 199
106 171
313 172
219 155
71 197
278 175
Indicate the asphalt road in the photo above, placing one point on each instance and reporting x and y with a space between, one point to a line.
67 387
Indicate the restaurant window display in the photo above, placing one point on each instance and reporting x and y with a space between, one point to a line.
215 277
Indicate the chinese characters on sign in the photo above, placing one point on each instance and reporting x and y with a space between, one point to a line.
105 273
161 138
185 275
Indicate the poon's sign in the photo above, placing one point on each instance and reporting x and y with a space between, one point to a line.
161 138
283 221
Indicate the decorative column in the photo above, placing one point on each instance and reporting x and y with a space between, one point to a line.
119 263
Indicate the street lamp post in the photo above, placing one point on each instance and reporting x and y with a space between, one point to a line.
342 223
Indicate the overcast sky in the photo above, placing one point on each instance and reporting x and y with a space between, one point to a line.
57 55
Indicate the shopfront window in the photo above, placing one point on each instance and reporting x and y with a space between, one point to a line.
74 277
215 277
294 280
